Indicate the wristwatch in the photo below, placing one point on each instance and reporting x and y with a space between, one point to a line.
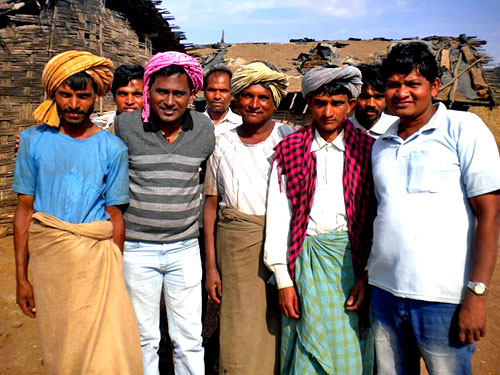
478 288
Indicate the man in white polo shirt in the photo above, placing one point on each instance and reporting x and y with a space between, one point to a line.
217 91
369 113
437 181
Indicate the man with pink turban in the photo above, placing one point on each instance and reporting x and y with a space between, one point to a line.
167 144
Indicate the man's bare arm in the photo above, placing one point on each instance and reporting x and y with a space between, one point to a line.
22 220
472 316
116 218
213 283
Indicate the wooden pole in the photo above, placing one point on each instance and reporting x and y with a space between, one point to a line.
51 38
102 6
455 76
462 72
293 101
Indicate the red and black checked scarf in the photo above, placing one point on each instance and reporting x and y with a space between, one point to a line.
297 163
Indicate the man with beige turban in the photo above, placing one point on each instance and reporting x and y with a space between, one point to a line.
237 181
71 177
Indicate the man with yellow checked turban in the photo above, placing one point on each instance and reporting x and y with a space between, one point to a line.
71 179
63 66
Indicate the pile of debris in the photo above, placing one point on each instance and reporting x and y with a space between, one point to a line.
321 54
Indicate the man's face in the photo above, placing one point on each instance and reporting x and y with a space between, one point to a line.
369 106
329 111
218 92
75 107
410 96
170 96
255 105
129 98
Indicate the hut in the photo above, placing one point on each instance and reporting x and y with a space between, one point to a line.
464 82
32 31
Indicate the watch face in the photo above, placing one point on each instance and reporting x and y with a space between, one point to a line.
479 289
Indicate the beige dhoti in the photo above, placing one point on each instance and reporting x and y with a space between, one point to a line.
249 315
83 312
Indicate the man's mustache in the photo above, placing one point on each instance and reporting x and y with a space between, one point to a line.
79 112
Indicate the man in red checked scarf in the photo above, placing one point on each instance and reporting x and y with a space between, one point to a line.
320 211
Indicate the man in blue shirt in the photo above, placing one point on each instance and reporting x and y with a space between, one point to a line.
71 177
437 181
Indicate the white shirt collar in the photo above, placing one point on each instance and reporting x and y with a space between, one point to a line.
433 123
319 142
379 128
230 116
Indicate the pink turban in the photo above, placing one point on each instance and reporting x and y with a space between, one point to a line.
163 59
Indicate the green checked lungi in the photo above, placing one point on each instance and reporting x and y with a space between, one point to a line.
325 339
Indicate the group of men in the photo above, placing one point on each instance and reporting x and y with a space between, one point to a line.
376 254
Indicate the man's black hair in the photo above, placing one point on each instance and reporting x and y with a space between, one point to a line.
372 76
79 81
170 71
404 57
126 73
216 69
331 88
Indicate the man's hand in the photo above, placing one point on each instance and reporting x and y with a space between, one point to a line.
25 298
116 218
472 319
357 295
214 285
289 302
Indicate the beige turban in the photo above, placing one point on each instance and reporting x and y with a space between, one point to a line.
260 73
63 66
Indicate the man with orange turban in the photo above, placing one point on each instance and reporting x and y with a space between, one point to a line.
71 178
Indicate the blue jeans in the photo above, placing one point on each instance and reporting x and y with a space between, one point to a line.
177 268
407 329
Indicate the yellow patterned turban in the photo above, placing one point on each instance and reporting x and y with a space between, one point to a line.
63 66
259 73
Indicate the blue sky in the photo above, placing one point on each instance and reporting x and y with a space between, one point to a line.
280 20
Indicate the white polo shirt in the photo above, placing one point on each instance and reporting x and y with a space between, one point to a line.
424 229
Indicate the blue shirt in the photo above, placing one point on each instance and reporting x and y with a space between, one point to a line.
72 179
425 225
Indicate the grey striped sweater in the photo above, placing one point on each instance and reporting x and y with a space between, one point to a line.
164 177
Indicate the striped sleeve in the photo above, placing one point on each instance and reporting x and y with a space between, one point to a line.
210 186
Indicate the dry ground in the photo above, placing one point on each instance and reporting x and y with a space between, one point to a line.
20 354
492 118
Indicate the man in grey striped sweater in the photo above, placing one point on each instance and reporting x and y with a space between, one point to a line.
167 144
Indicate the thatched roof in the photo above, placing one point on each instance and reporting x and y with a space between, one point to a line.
146 17
23 6
460 57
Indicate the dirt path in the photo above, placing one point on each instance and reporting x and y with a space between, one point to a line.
20 354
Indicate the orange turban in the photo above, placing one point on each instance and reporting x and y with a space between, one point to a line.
63 66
